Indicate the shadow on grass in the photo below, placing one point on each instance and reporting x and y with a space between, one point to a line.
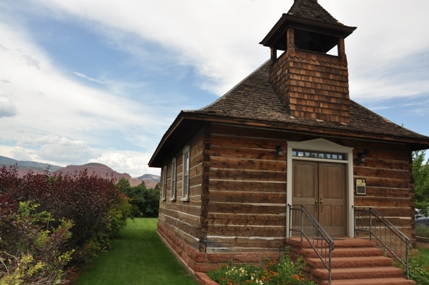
138 257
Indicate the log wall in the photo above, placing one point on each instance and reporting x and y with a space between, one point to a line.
184 217
237 207
247 190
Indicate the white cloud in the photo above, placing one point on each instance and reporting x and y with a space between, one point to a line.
7 108
67 151
88 78
220 38
20 153
131 162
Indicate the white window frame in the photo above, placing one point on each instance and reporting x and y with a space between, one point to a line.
173 179
185 175
164 183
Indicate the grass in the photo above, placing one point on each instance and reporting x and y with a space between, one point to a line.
138 257
424 253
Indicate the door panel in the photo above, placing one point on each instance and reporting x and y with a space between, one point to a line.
305 177
323 183
332 191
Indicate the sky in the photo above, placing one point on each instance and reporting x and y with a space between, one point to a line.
102 80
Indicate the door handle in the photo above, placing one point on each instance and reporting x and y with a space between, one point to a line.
321 202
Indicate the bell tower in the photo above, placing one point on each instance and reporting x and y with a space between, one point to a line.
311 76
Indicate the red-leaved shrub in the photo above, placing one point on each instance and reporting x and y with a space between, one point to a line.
92 203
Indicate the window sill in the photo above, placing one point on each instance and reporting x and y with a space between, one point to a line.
185 199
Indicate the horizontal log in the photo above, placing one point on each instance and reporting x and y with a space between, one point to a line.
187 219
186 208
251 231
380 163
218 129
389 212
245 153
246 242
245 143
248 164
390 192
249 217
236 208
247 197
367 201
387 182
174 232
381 173
231 174
184 227
231 185
249 222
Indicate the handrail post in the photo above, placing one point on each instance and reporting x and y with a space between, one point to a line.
302 221
370 223
406 259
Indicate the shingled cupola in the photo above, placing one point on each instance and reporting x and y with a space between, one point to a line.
310 82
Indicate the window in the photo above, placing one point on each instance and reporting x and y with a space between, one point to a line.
319 154
185 176
164 183
173 180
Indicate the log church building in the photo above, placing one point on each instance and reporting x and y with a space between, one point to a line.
286 137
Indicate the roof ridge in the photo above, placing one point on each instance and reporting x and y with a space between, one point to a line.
230 90
312 10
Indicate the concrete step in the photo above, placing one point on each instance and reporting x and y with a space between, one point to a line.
354 262
359 273
345 252
339 243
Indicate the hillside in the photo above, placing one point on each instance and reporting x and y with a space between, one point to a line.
26 166
99 169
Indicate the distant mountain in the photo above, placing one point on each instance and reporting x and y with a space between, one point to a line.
26 166
150 180
99 169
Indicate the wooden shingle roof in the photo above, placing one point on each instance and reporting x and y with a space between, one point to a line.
253 102
311 10
254 99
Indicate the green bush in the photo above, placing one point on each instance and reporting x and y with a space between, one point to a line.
418 268
422 230
284 272
31 250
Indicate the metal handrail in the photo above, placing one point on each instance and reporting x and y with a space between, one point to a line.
303 222
385 233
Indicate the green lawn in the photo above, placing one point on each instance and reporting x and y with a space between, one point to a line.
138 257
424 253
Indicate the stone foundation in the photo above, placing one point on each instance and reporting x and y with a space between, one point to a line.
197 261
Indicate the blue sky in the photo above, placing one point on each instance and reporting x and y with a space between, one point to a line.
101 81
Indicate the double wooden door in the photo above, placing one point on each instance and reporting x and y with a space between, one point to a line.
321 188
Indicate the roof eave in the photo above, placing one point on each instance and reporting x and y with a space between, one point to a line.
287 21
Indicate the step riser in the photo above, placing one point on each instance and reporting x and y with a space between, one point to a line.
354 262
351 263
359 275
310 253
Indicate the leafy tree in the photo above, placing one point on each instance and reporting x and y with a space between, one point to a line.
145 202
421 181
